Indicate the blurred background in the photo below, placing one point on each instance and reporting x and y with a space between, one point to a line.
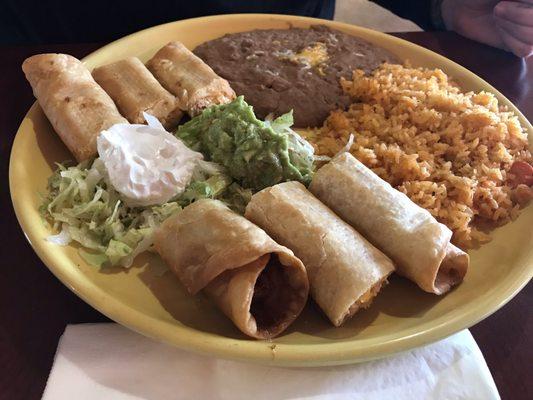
60 21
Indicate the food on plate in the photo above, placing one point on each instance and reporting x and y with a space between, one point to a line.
146 164
112 205
135 91
256 153
191 80
84 208
450 152
261 286
76 106
345 271
419 246
413 163
278 70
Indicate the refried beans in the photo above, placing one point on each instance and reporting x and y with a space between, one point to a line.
282 69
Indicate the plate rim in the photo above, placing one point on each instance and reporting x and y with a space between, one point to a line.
336 353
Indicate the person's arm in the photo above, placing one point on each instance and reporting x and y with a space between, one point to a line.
504 24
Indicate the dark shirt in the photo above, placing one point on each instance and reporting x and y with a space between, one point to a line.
62 21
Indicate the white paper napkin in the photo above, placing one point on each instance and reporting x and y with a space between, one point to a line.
108 361
369 15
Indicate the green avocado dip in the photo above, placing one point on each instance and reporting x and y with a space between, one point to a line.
256 153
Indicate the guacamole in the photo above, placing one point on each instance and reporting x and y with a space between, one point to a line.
256 153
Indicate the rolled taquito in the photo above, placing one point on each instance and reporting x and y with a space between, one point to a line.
260 285
191 80
76 106
135 90
345 271
418 244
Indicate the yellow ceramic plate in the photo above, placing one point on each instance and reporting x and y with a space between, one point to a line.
402 316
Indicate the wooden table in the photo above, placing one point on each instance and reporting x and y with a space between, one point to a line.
35 307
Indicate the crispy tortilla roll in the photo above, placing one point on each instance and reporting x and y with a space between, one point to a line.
261 286
407 233
76 106
345 271
191 80
135 90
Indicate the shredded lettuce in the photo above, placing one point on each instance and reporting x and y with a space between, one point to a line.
210 181
83 208
209 188
88 211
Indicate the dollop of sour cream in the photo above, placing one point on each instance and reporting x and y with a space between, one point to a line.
145 163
